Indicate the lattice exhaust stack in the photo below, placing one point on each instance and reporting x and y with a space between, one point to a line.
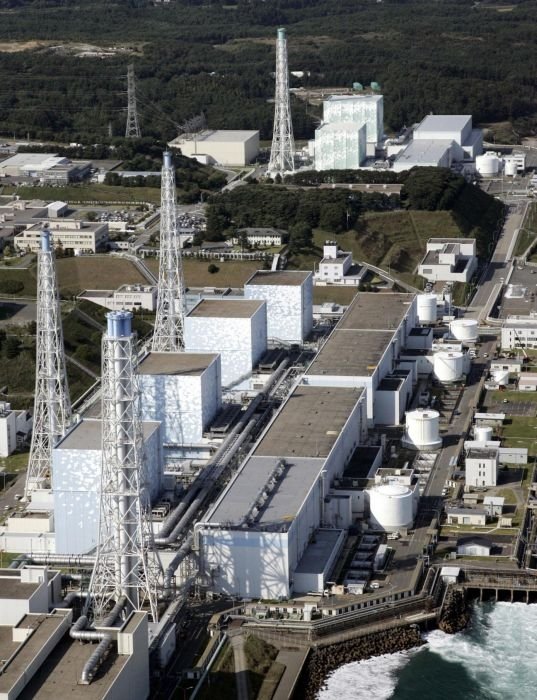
169 322
52 407
127 563
282 152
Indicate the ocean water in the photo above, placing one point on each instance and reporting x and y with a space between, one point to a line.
495 657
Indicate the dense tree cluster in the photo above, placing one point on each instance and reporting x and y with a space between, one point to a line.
218 57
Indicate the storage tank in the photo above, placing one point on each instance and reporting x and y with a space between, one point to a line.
448 366
464 329
426 308
510 168
422 429
501 377
488 164
482 433
391 507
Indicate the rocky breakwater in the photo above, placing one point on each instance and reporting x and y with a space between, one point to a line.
455 613
324 660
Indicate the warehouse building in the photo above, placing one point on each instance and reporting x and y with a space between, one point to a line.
76 474
128 296
70 234
289 298
15 427
234 328
260 530
48 168
182 391
222 147
364 349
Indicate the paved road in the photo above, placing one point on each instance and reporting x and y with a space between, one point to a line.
241 666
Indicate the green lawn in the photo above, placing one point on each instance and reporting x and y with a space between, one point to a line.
334 294
15 462
96 272
231 273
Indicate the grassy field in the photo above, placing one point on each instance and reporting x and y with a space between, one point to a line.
337 295
87 193
27 277
95 272
15 462
231 273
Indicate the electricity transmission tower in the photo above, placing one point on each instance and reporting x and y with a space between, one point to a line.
169 321
127 564
52 407
283 145
133 128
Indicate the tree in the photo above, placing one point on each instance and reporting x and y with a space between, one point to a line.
213 269
12 347
300 237
91 216
333 218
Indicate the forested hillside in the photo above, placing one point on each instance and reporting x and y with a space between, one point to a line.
447 56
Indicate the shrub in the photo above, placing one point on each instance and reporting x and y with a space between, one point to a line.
213 268
11 286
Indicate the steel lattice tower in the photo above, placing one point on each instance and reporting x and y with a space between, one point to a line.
127 563
283 145
168 335
133 128
52 407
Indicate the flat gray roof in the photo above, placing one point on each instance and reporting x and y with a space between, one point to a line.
318 553
370 310
181 363
452 239
444 122
226 308
279 277
87 435
12 588
350 353
283 501
424 151
309 423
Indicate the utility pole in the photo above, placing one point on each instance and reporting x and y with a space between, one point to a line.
133 128
52 406
169 321
282 152
127 565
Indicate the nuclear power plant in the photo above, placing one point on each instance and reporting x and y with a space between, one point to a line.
233 456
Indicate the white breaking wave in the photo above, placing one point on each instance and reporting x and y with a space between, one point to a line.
372 679
498 651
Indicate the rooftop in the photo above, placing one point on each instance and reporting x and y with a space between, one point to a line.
226 308
352 127
11 588
231 135
481 453
309 422
318 553
279 277
87 435
354 98
444 122
374 311
351 353
424 151
181 363
452 240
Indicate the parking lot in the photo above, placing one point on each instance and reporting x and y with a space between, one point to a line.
511 403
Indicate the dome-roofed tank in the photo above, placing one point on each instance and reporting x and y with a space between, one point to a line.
422 429
448 366
482 433
487 164
391 507
464 329
426 308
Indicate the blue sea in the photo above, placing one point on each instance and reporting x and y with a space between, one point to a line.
495 657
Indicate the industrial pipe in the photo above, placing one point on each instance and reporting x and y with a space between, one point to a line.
74 560
95 659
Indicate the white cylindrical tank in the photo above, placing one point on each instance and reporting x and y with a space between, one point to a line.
510 168
426 308
391 506
464 329
501 376
482 433
423 429
487 164
448 366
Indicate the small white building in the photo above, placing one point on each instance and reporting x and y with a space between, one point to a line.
519 332
15 427
474 547
493 506
527 381
482 466
234 328
223 146
336 267
263 236
182 391
289 298
449 260
466 516
507 364
340 146
70 234
128 296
